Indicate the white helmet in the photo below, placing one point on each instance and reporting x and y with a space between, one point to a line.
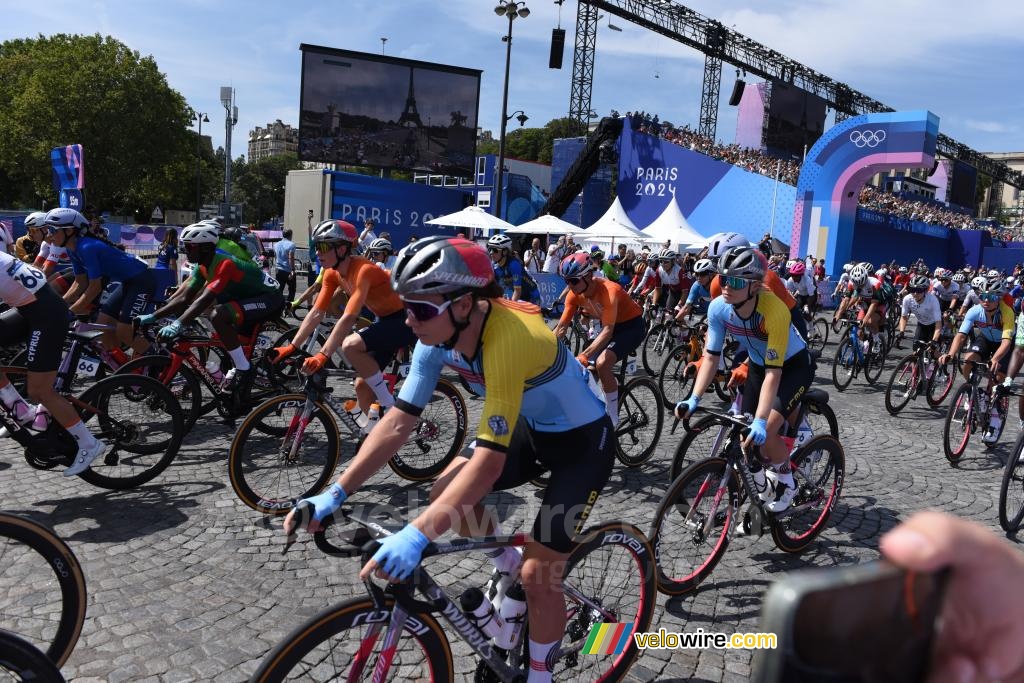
703 266
859 275
199 233
993 273
500 242
721 242
60 218
36 219
848 267
979 283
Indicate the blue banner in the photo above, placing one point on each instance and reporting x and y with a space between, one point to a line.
68 166
550 286
904 224
71 199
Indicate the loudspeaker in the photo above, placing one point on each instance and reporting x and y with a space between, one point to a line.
737 93
557 48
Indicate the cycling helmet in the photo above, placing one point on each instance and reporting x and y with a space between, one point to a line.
904 270
380 244
940 273
881 272
667 255
60 218
867 266
859 275
797 268
979 283
959 277
199 233
992 285
848 267
500 242
721 242
919 283
745 262
36 219
993 273
575 265
334 231
441 265
923 269
597 254
704 266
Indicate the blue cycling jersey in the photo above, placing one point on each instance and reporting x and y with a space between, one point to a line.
510 276
98 259
698 297
994 329
767 335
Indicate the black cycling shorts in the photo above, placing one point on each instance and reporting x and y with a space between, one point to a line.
924 333
670 296
626 337
580 462
985 348
797 375
44 322
132 299
248 313
944 305
385 336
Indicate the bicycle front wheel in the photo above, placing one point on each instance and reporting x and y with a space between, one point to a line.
270 473
657 343
690 532
20 660
184 384
959 423
610 579
940 384
844 365
903 384
42 587
819 467
705 439
437 437
817 334
143 422
345 643
1011 491
674 382
641 419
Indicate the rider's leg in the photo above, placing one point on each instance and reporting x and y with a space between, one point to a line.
224 319
542 574
111 338
606 374
370 384
40 390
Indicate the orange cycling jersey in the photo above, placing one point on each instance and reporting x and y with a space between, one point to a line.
610 304
366 284
773 282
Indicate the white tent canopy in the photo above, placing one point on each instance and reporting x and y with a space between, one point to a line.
672 225
614 227
471 217
545 225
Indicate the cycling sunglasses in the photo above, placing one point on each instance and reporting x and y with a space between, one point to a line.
990 298
324 247
573 281
736 282
918 291
424 311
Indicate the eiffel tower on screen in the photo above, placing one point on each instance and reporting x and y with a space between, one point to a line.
410 115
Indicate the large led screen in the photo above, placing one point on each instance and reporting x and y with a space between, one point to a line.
370 110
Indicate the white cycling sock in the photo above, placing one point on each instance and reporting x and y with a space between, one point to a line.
9 395
539 671
611 402
82 435
380 389
238 358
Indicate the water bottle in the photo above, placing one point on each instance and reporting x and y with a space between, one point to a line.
481 612
631 365
512 612
213 367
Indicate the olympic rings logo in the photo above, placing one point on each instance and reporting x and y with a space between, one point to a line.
869 138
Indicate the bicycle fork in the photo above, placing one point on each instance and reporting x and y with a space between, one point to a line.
296 428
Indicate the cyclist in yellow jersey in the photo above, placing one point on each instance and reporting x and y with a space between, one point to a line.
541 413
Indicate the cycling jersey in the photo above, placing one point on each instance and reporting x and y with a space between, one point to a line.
19 282
232 279
609 303
767 335
927 312
649 281
51 253
235 249
945 293
519 368
1000 326
871 290
844 280
698 297
97 259
971 298
671 277
771 280
365 284
802 287
901 280
510 276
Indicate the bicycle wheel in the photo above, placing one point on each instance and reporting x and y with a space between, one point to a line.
821 419
184 385
42 588
269 474
690 531
940 384
819 467
903 384
704 440
674 383
641 419
437 437
345 642
658 342
959 423
143 421
1011 491
20 660
874 364
844 365
817 334
610 579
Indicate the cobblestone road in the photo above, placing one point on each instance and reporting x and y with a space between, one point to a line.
187 584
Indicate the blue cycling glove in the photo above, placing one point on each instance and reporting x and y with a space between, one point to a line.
689 404
401 553
328 502
759 431
171 330
145 319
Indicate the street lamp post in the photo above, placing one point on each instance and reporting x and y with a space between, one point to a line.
201 118
511 9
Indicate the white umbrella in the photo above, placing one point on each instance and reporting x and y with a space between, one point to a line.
672 225
545 225
471 217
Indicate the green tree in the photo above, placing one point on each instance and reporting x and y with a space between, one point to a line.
93 90
260 185
535 144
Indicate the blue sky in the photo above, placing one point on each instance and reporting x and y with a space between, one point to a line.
960 60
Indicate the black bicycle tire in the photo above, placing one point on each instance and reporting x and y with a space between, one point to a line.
67 574
1011 523
410 472
194 387
838 456
893 407
934 402
678 356
342 616
648 348
953 456
659 418
237 457
841 350
25 660
874 366
697 427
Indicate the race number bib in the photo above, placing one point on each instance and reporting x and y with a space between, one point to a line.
87 367
270 282
27 276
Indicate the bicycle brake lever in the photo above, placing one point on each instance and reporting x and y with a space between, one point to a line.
674 425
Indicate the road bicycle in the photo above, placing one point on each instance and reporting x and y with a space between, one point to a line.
851 358
970 411
392 635
675 381
1011 489
42 588
138 416
919 373
697 516
288 447
659 341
